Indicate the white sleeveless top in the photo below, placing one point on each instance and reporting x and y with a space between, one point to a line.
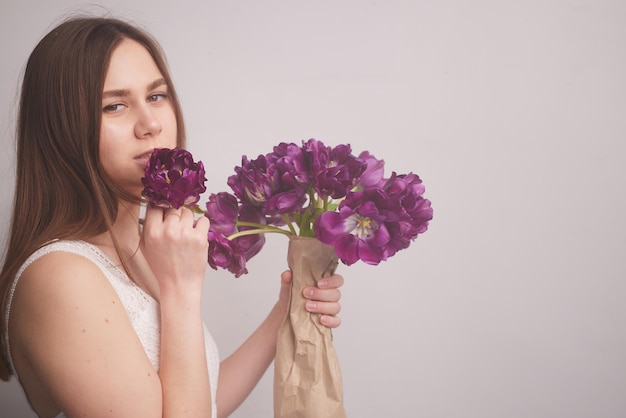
142 309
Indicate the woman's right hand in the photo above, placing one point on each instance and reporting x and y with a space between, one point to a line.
175 246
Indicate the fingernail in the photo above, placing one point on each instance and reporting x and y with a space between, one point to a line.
311 306
322 283
308 292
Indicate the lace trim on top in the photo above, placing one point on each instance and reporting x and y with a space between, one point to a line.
141 308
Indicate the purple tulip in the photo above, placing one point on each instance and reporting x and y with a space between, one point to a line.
372 176
226 254
173 179
357 230
374 224
222 210
224 213
333 169
251 244
415 212
288 160
269 182
292 179
251 182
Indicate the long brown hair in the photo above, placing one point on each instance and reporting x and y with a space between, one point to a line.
61 190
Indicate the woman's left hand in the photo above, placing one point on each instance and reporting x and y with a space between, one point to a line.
323 299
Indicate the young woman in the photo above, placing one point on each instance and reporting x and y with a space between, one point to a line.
100 319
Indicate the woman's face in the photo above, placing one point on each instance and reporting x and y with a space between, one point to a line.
137 115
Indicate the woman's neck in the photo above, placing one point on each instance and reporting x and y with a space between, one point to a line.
126 231
127 235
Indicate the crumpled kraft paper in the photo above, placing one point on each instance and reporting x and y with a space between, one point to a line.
307 377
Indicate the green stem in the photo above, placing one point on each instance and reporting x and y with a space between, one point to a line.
261 226
195 209
258 231
289 224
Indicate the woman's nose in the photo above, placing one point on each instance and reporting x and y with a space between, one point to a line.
148 125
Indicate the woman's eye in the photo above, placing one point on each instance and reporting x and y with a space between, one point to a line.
115 107
157 97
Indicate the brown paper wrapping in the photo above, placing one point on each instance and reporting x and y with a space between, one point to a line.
307 378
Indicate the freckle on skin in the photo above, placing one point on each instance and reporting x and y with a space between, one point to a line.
84 330
106 320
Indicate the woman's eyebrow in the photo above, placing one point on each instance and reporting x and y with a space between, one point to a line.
126 92
116 93
156 83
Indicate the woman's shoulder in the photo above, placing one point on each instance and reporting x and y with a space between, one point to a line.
56 273
60 266
65 255
50 288
76 247
57 290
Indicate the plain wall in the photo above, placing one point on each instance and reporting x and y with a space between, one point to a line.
514 115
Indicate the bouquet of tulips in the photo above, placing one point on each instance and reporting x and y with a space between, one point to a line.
309 190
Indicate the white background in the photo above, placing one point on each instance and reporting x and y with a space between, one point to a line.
514 115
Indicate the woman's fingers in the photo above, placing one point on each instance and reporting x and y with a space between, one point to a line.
172 214
324 300
175 245
327 289
332 282
324 308
330 321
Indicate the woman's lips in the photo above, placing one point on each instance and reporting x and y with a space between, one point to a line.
143 158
